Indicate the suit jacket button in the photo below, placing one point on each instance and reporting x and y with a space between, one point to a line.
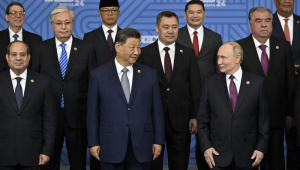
128 108
18 117
168 89
127 125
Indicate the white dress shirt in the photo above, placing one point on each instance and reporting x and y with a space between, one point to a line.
162 53
259 51
67 47
200 35
119 68
237 80
22 82
11 33
113 34
290 24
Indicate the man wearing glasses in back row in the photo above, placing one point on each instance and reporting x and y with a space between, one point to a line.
15 15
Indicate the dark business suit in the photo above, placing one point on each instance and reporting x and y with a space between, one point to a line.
111 119
30 131
293 154
280 82
207 63
29 38
74 87
180 99
234 134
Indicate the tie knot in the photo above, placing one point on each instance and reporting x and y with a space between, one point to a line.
125 70
195 32
286 20
110 31
18 79
16 37
166 49
262 47
231 77
62 45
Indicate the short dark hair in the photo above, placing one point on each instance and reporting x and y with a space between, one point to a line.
9 45
259 9
194 2
12 4
126 33
168 14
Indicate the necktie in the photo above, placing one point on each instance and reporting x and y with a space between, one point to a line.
15 37
18 92
196 43
233 92
287 30
264 59
168 65
110 40
125 84
63 62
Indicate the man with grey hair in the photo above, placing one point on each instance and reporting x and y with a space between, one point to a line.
68 62
271 58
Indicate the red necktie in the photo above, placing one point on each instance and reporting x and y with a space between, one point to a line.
233 92
287 30
264 59
196 43
168 65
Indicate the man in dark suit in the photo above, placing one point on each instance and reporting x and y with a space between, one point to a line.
179 80
233 118
206 44
271 57
68 62
28 118
103 38
125 116
286 26
15 15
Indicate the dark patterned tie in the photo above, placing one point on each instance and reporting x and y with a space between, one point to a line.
233 92
19 92
264 59
168 65
110 40
196 43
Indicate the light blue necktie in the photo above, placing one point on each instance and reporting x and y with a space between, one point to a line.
16 37
63 62
125 84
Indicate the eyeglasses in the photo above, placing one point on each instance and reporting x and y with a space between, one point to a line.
15 13
106 11
60 24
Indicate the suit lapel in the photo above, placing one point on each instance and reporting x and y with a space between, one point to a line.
179 54
273 54
295 32
186 37
222 85
53 55
9 90
206 37
6 39
26 38
135 82
277 26
102 39
243 90
28 89
74 52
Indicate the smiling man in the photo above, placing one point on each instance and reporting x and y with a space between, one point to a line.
68 62
15 16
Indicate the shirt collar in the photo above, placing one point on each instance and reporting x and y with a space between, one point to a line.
68 42
13 75
257 43
191 30
161 46
237 75
11 33
282 18
120 67
105 28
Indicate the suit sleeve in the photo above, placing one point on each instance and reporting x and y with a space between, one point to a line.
219 43
263 120
291 81
194 86
297 114
93 111
92 59
157 113
49 120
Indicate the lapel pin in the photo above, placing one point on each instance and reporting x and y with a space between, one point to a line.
277 47
297 22
32 81
181 51
75 48
248 82
139 71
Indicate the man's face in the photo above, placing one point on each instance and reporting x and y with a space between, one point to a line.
128 53
284 6
62 24
15 20
18 59
167 30
194 15
109 15
261 24
228 63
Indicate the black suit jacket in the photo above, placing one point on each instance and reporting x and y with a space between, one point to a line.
181 96
234 134
30 131
75 84
29 38
207 58
97 39
280 80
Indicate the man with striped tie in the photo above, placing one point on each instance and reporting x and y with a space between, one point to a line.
68 62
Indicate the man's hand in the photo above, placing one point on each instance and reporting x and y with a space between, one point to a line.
289 122
296 66
43 159
156 150
208 155
258 155
193 126
95 151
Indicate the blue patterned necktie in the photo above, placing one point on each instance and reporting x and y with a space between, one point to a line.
15 37
63 62
19 92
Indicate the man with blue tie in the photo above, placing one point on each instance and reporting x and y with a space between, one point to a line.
125 119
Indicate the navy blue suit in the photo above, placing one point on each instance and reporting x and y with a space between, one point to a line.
110 118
